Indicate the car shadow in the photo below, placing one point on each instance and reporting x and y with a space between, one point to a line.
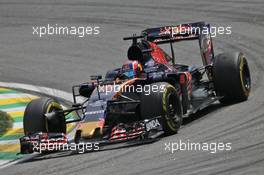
60 154
202 113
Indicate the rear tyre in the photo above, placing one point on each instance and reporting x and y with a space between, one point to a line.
35 120
231 77
164 102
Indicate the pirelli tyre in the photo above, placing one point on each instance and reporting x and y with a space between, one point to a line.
231 77
35 120
165 102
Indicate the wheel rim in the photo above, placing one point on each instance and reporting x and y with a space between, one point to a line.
52 107
172 110
245 76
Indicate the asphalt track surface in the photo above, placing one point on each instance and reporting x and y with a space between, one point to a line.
58 62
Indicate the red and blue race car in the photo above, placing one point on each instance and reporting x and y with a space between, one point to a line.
145 98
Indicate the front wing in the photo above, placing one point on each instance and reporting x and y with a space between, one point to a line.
147 131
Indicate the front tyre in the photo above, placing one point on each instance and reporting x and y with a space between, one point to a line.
35 120
164 102
231 77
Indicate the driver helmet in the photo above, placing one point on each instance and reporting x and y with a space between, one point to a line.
131 69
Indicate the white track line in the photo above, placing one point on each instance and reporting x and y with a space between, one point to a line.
18 95
4 165
14 109
17 125
5 142
2 162
40 89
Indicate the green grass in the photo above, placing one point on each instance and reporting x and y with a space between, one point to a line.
9 155
14 105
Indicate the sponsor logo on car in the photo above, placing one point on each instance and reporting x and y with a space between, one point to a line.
152 124
94 112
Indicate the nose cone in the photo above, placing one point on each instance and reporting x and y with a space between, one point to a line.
91 129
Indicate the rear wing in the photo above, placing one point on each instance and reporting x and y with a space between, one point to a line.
169 34
166 34
191 31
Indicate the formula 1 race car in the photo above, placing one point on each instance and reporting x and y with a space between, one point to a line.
145 98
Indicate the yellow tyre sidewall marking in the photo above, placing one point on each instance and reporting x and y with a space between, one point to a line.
164 105
241 68
56 105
